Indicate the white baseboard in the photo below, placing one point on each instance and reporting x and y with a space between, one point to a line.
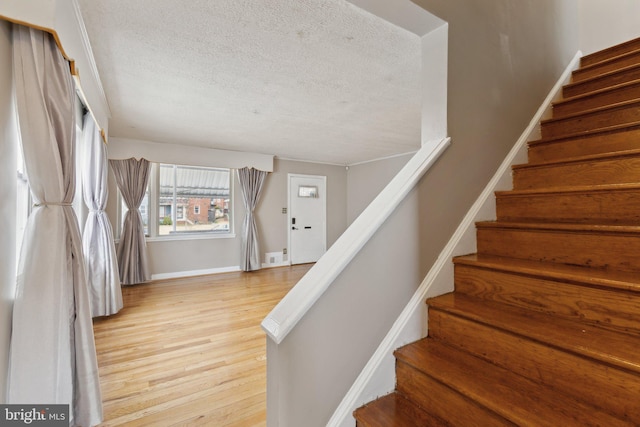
378 376
180 274
279 264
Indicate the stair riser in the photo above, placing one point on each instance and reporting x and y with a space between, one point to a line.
581 378
442 401
601 143
605 67
616 310
611 52
603 207
615 78
618 170
598 250
602 99
622 115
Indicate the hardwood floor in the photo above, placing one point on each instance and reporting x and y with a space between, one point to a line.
190 351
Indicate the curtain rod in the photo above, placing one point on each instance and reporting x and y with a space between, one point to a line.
72 66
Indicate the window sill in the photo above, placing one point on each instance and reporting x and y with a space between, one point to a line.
178 237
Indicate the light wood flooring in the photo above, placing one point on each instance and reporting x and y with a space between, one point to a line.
190 351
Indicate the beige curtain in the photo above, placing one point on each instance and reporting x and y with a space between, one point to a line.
251 182
52 354
132 177
97 239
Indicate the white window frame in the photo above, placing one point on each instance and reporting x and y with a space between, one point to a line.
154 207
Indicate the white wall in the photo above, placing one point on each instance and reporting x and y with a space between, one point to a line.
435 46
8 152
366 180
604 23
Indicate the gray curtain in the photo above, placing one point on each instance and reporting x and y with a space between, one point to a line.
52 354
251 182
97 239
132 176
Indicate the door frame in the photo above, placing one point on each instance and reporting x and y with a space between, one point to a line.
289 216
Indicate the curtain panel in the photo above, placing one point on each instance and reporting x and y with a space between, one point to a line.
97 239
52 354
132 177
251 183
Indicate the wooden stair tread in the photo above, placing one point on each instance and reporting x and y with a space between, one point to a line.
586 95
565 227
624 59
582 275
598 56
519 400
586 134
617 105
395 410
606 61
570 189
614 348
580 159
602 77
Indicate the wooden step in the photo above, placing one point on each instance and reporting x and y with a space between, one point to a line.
598 367
467 391
595 246
600 169
611 52
607 65
606 140
623 113
394 410
603 204
602 81
600 98
603 298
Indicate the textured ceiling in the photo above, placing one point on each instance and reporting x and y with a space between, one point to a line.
318 80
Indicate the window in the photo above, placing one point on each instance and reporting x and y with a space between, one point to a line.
193 200
185 201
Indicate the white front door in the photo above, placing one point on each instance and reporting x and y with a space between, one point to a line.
307 218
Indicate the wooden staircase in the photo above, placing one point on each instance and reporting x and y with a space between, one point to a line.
543 328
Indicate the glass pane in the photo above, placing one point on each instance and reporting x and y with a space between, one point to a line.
193 199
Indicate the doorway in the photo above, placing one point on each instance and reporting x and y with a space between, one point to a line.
307 218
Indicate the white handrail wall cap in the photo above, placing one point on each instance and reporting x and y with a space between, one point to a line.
308 290
270 326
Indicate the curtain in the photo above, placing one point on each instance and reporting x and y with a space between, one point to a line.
52 354
251 182
97 239
132 176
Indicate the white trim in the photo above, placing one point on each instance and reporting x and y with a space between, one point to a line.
191 273
379 159
411 325
303 296
280 264
291 159
201 235
347 165
86 44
